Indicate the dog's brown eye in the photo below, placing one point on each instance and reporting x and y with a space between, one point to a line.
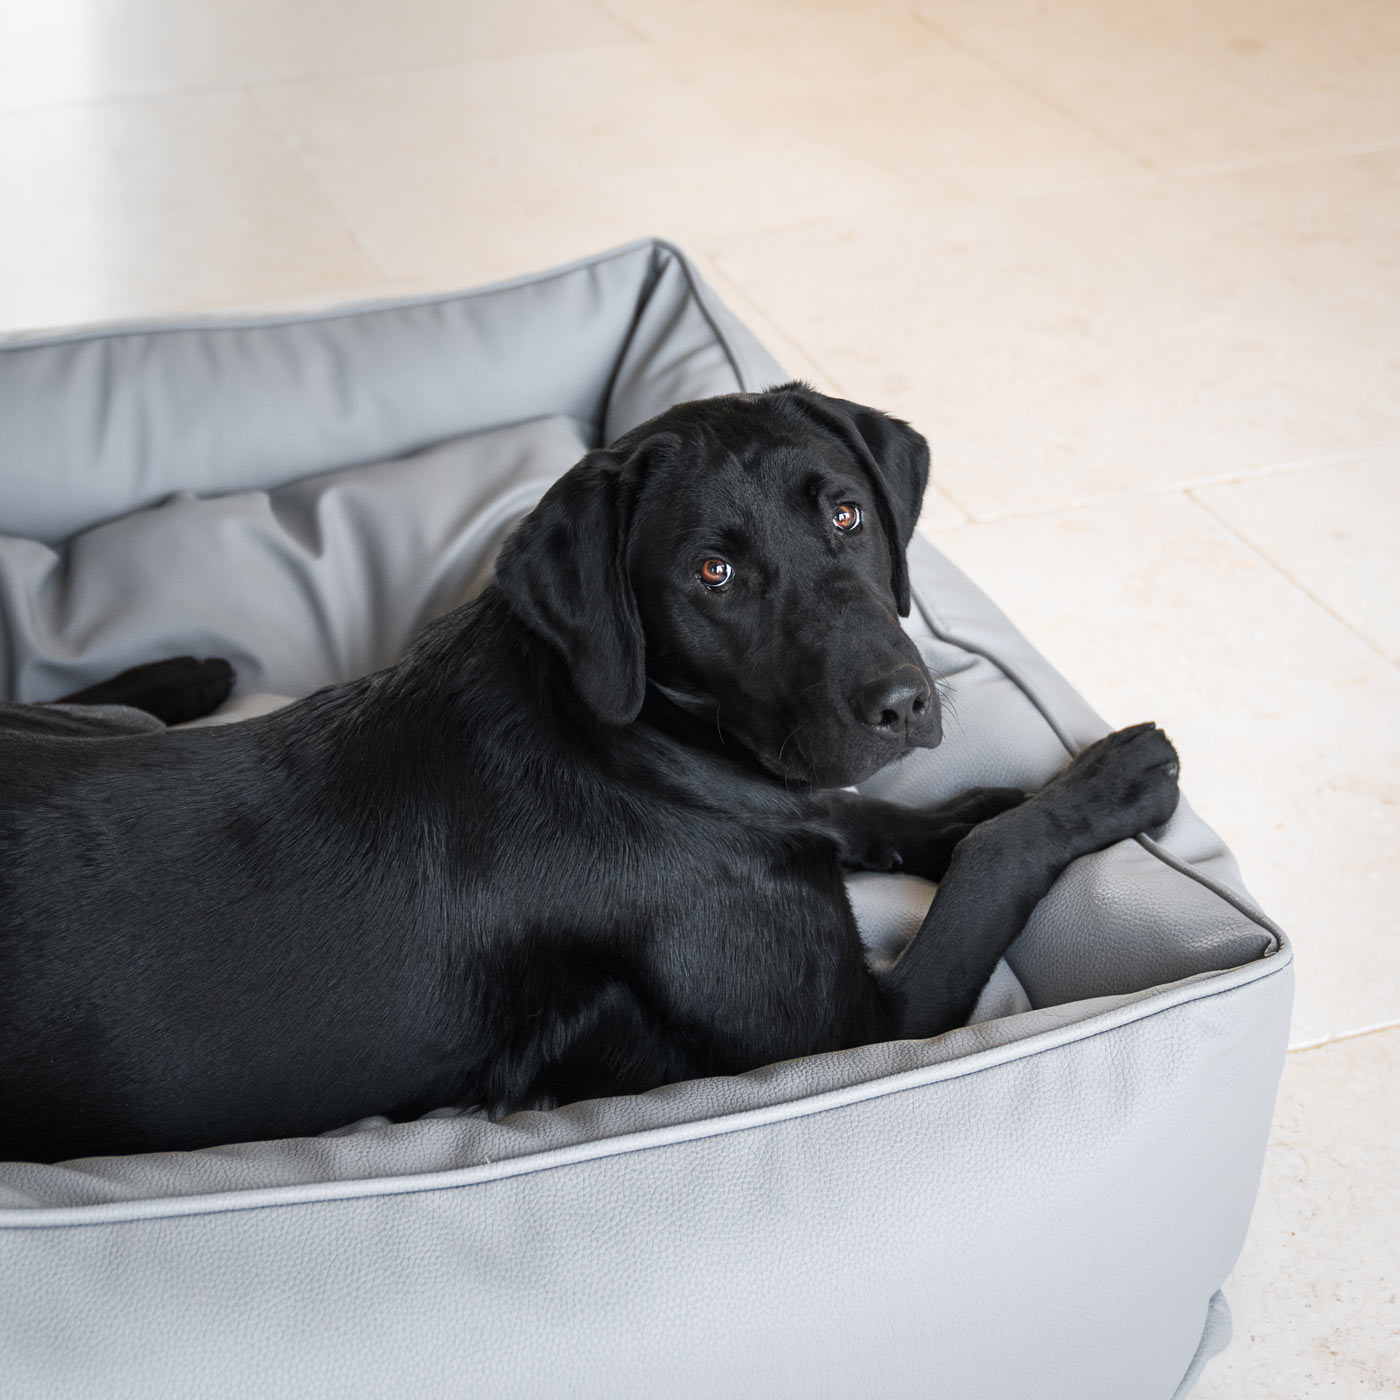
846 518
715 573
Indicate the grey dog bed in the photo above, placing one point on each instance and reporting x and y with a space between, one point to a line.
1043 1204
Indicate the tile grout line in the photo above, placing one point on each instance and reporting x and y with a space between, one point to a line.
969 518
349 72
351 232
1325 459
622 22
1341 1036
1141 493
1166 172
1048 103
736 290
1352 152
1284 573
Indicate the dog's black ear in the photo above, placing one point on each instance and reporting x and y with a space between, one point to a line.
564 573
901 457
897 458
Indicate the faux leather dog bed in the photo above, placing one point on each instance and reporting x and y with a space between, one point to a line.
1043 1204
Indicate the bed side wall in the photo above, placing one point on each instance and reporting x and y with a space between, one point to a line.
93 425
1054 1227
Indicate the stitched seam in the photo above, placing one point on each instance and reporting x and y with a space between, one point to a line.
701 1129
692 282
944 633
275 321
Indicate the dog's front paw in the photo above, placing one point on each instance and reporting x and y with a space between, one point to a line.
1121 785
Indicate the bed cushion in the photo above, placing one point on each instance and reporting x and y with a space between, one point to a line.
1041 1204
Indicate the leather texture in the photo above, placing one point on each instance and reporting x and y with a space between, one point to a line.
1040 1205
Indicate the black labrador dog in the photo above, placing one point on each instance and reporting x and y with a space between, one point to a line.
586 838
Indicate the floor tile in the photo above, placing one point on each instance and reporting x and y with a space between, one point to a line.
683 19
973 216
1333 529
62 51
939 512
1284 718
1314 1295
1121 339
1192 84
134 209
489 168
875 82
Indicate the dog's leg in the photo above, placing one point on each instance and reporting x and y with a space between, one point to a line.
875 835
1124 784
180 689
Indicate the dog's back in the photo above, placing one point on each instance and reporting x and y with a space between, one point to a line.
434 885
181 912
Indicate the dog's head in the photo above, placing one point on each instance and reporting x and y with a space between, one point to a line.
745 555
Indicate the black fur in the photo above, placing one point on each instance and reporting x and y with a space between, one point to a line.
579 841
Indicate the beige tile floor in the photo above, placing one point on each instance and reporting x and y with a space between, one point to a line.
1133 265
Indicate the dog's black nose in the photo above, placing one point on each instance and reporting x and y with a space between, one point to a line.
900 705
